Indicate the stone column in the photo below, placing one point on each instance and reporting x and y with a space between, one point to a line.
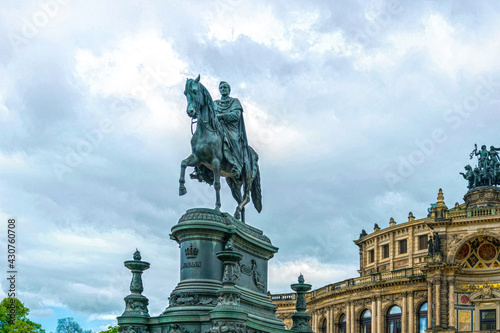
379 314
404 316
376 254
438 304
429 304
374 315
361 259
410 246
451 302
352 318
391 251
348 316
411 315
329 317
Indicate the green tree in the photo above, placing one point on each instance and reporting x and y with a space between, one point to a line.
69 325
111 329
14 317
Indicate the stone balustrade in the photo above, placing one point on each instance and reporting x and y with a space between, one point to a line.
363 280
478 212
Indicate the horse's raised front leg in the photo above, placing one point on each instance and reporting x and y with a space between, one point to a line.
216 165
192 160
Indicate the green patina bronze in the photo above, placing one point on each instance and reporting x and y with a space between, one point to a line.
301 320
223 261
220 147
487 171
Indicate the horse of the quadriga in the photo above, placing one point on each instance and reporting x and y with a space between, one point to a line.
208 157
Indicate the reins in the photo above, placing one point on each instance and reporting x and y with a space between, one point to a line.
193 121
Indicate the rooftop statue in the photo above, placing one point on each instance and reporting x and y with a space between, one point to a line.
220 147
487 171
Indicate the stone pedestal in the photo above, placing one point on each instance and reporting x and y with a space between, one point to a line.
482 197
221 289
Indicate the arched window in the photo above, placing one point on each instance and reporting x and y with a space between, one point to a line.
342 324
422 318
394 319
323 326
366 322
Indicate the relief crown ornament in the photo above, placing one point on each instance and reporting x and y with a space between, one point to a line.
191 251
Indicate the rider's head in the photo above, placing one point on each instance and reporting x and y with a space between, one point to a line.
224 88
483 147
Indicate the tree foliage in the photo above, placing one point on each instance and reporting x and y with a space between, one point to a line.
111 329
21 324
69 325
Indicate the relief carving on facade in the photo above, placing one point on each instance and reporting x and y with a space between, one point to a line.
175 328
133 329
189 298
254 273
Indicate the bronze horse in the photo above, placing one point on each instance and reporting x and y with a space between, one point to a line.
208 157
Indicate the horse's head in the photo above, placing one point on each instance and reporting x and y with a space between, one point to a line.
193 94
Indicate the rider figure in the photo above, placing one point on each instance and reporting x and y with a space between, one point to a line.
483 157
230 115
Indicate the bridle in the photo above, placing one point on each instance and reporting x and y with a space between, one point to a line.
198 119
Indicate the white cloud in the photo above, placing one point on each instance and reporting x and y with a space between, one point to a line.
13 161
144 68
133 67
319 274
325 111
228 24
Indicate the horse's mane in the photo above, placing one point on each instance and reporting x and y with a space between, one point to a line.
204 98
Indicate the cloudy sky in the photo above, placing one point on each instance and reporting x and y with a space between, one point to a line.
359 110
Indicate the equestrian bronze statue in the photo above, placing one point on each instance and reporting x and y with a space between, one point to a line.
220 148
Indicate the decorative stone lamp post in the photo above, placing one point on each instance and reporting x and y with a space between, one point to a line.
228 315
301 320
136 305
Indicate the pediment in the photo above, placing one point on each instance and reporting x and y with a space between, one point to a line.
486 293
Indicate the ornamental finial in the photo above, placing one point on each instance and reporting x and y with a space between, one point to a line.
137 255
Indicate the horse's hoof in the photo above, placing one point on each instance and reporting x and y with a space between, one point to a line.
237 215
182 190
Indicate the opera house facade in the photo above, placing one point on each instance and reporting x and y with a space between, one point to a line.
440 273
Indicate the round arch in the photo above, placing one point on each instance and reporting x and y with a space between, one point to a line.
421 312
480 252
341 323
393 319
323 325
365 321
454 247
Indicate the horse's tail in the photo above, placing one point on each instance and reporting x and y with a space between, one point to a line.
257 192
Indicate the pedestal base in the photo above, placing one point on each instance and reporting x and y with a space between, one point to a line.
195 304
482 197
